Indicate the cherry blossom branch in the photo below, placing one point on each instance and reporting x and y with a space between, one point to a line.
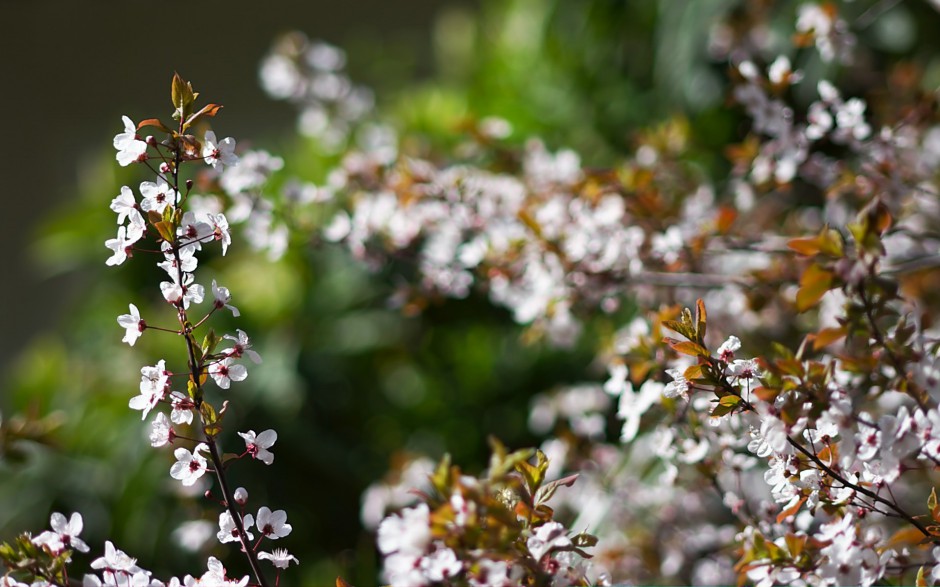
229 503
196 377
858 488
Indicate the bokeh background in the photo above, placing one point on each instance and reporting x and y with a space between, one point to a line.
351 385
71 71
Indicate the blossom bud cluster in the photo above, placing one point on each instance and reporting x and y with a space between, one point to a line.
548 242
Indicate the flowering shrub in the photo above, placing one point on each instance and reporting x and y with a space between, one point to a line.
837 415
768 406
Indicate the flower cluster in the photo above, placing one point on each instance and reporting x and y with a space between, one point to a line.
787 434
494 531
44 560
162 225
310 75
547 241
819 240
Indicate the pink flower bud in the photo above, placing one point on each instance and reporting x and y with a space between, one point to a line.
241 496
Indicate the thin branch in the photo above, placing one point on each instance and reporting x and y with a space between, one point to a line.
859 489
195 372
693 280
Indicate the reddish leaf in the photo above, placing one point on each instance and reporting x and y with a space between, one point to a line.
882 218
814 283
790 367
209 110
153 122
828 242
790 510
827 336
805 246
765 394
726 217
907 536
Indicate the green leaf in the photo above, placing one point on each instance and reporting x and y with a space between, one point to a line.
210 420
6 551
501 462
208 413
510 461
679 328
546 492
858 230
530 474
441 478
701 317
166 230
686 347
828 242
209 342
183 97
584 540
795 544
693 372
721 410
534 475
932 504
192 389
831 242
781 350
730 400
